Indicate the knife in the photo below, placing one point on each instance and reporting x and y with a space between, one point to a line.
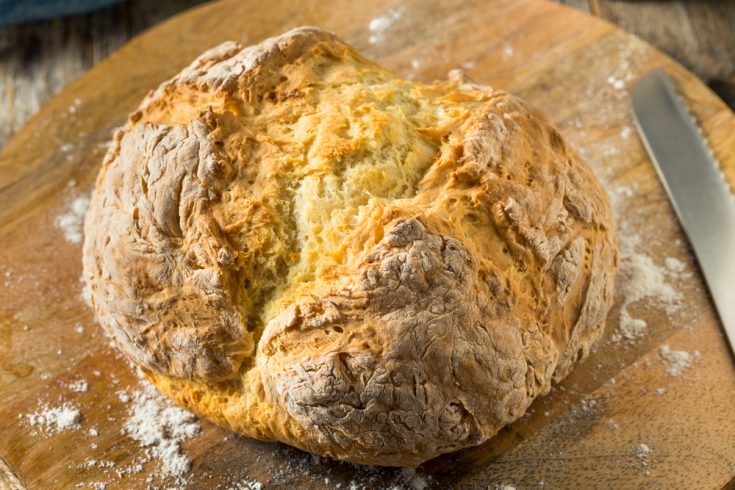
695 184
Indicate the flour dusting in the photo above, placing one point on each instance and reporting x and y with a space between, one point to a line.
413 479
72 221
74 106
678 360
643 454
159 426
51 420
642 279
617 83
79 386
508 52
630 328
246 485
381 24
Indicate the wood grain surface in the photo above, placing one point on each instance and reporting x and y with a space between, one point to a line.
584 434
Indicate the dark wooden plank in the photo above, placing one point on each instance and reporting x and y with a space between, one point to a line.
697 33
582 5
714 27
38 59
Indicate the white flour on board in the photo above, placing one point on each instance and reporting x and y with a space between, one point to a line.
508 52
79 386
381 24
641 279
159 426
413 479
643 454
153 421
246 485
50 419
642 282
72 221
74 106
678 360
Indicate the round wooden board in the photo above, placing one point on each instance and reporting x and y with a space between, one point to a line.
584 434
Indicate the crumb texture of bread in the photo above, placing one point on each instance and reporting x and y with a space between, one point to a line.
300 246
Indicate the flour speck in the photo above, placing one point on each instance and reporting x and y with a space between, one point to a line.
643 453
508 52
674 265
72 221
51 420
413 479
79 386
246 485
678 360
630 328
617 83
381 24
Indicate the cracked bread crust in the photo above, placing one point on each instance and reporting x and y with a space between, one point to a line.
296 244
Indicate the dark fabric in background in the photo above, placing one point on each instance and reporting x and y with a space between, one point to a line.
19 11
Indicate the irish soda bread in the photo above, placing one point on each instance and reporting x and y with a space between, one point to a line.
301 247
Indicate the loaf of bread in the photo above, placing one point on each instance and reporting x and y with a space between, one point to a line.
299 246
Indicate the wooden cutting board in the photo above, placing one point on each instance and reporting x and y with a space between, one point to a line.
584 434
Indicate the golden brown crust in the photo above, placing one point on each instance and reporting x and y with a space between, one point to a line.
301 247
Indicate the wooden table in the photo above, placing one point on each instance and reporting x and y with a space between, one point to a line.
589 432
38 60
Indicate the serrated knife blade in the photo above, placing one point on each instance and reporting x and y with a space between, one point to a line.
695 184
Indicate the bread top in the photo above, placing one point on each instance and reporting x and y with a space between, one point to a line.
369 268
